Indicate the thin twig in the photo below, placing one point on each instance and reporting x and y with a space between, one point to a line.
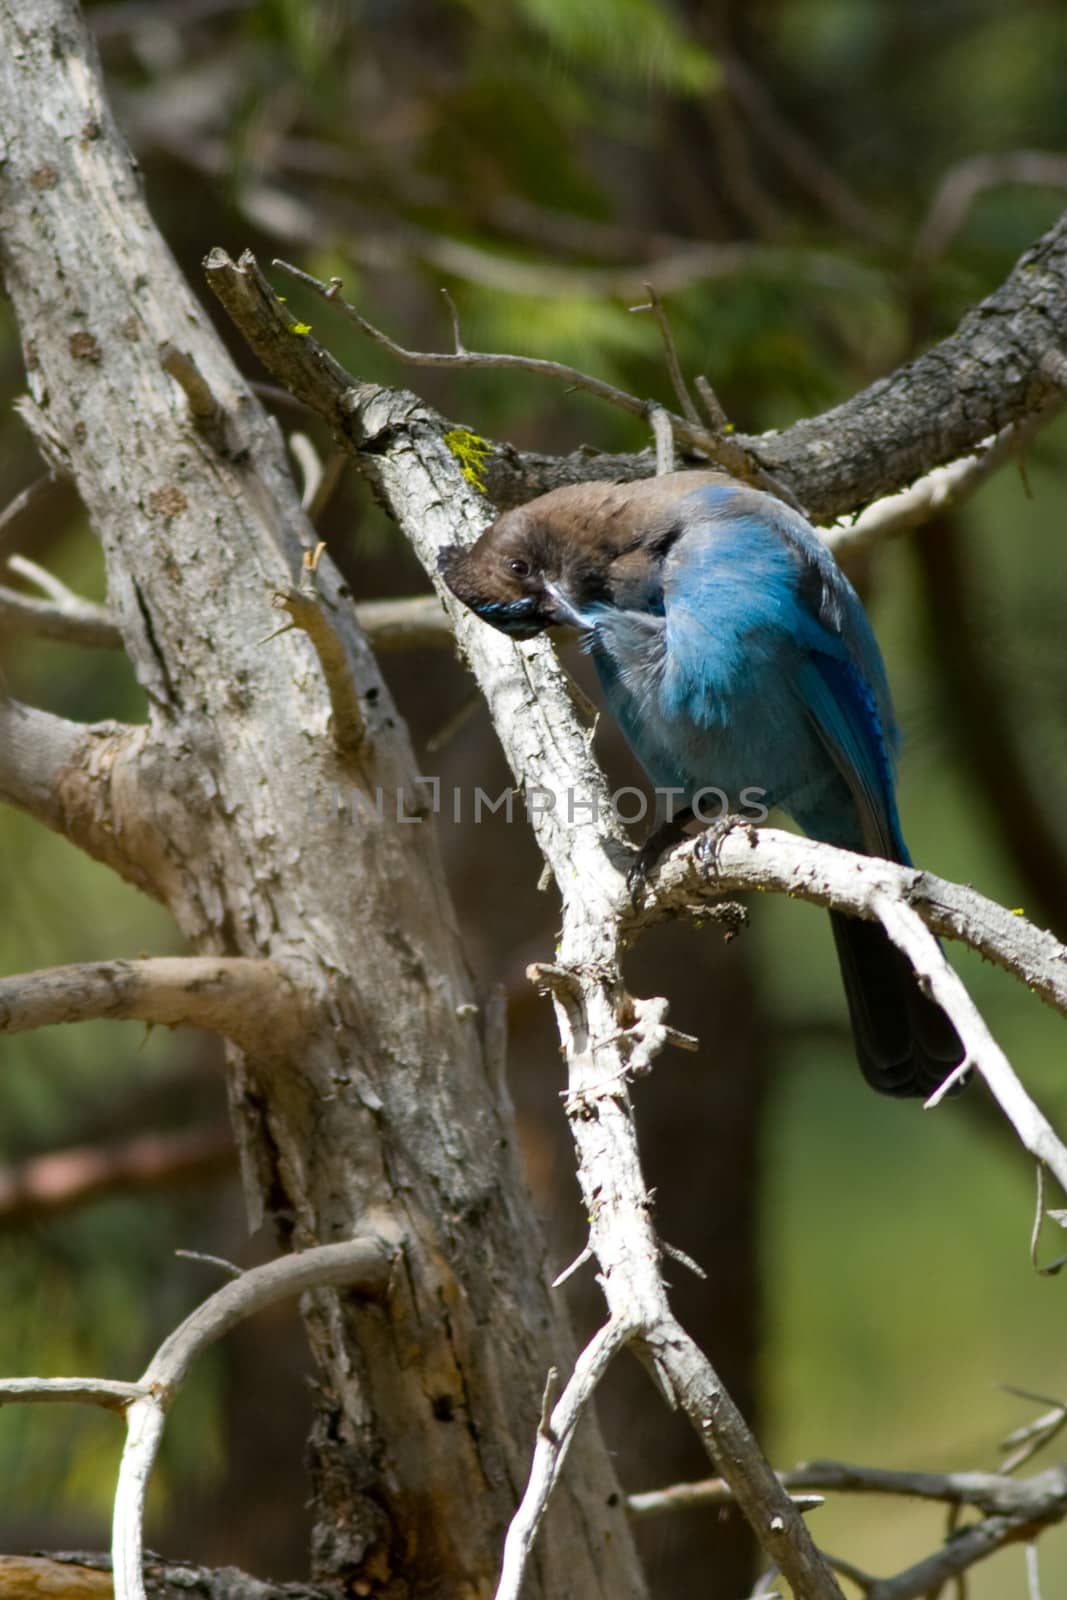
962 184
720 422
728 453
553 1441
453 314
308 612
1053 1267
15 509
911 935
664 437
71 622
670 351
229 1267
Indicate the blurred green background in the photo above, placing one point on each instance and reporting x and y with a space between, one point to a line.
819 188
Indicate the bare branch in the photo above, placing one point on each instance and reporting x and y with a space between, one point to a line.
769 858
553 1441
688 430
204 409
84 781
309 613
1012 1510
85 1575
360 1265
935 493
72 621
106 1392
664 437
886 437
994 1493
233 995
419 623
62 1179
962 184
415 623
670 351
12 514
909 933
904 901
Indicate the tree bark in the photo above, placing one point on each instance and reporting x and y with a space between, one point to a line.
385 1100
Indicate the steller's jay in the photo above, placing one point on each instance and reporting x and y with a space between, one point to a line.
735 654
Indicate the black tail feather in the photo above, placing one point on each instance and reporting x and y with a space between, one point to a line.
905 1043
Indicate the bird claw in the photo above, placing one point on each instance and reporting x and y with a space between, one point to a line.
708 848
658 843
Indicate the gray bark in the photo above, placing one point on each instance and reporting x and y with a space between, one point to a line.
384 1101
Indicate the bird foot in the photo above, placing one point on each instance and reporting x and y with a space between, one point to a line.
659 841
709 846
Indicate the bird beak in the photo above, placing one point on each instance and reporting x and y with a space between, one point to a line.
560 611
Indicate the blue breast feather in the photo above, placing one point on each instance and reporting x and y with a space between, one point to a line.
762 672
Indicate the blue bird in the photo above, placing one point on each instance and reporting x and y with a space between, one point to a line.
736 655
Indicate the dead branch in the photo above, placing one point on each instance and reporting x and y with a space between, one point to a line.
962 184
1013 1510
71 621
34 494
944 488
787 863
688 430
554 1436
106 1392
360 1265
85 1575
84 780
241 998
308 612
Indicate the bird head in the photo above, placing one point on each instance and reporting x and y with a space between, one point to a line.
563 558
519 575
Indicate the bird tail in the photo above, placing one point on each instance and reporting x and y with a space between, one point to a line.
905 1043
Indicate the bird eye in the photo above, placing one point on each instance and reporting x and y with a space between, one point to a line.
519 567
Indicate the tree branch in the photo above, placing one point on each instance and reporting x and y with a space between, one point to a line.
998 369
15 510
554 1438
937 491
83 780
71 621
720 449
241 998
359 1265
81 1575
962 184
362 1265
106 1392
786 863
1013 1510
62 1179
